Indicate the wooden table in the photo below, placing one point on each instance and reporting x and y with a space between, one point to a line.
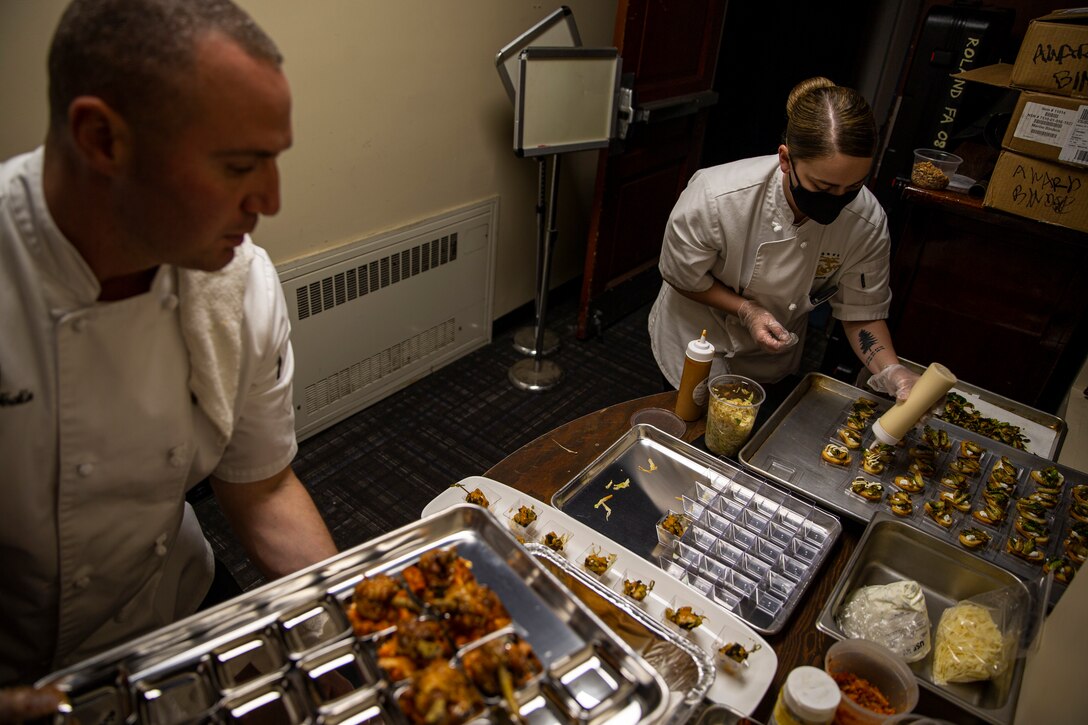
543 466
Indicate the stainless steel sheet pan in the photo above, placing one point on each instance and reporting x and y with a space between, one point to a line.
787 450
270 652
747 544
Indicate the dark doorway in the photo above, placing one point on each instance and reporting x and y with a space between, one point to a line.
768 46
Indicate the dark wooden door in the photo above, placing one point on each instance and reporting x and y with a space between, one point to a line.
669 50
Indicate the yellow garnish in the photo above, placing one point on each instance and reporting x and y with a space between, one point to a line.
652 467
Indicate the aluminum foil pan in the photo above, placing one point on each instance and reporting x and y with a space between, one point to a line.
688 670
287 653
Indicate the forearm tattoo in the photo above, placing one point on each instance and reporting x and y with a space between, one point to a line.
868 345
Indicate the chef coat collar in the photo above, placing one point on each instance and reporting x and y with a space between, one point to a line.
70 283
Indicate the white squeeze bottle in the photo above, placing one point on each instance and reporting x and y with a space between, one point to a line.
935 382
693 396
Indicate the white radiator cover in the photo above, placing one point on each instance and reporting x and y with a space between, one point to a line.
373 316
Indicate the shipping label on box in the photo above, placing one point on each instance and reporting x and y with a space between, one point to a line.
1053 56
1038 189
1054 128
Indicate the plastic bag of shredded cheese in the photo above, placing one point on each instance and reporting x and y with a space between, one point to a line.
893 615
977 638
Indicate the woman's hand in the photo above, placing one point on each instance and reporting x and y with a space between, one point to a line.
895 380
764 328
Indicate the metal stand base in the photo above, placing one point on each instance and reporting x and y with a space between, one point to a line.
525 341
534 374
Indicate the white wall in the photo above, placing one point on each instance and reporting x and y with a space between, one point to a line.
399 115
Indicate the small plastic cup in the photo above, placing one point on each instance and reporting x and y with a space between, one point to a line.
731 416
881 668
664 420
933 169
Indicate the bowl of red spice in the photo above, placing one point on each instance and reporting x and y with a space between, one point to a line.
875 683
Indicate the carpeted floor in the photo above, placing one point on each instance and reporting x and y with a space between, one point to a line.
376 470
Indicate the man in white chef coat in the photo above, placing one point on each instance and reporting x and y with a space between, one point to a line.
144 338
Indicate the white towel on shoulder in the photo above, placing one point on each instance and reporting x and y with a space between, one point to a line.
212 309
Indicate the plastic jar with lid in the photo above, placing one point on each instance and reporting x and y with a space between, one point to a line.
809 696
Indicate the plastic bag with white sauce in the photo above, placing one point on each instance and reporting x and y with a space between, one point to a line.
893 615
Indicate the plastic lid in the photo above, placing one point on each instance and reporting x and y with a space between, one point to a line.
700 350
960 183
812 694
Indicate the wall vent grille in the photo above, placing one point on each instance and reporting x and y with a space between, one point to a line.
355 282
371 317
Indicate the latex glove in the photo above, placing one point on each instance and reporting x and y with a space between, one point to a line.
764 328
894 380
23 702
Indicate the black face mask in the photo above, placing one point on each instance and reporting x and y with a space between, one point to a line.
821 206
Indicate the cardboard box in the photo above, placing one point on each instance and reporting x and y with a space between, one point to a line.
1040 190
1053 56
1043 125
1049 127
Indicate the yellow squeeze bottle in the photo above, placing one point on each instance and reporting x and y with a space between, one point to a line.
935 382
692 399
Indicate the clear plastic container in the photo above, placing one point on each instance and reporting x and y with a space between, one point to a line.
933 169
734 404
882 669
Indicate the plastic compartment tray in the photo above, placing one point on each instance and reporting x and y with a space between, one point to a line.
741 688
274 654
750 546
787 449
892 550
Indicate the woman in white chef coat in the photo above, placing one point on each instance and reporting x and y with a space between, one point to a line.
753 246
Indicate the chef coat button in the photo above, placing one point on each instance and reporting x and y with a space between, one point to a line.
793 306
169 302
160 545
85 469
176 456
82 578
79 324
804 244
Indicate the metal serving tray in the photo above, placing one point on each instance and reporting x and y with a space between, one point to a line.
891 550
787 449
688 670
748 545
268 655
740 687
